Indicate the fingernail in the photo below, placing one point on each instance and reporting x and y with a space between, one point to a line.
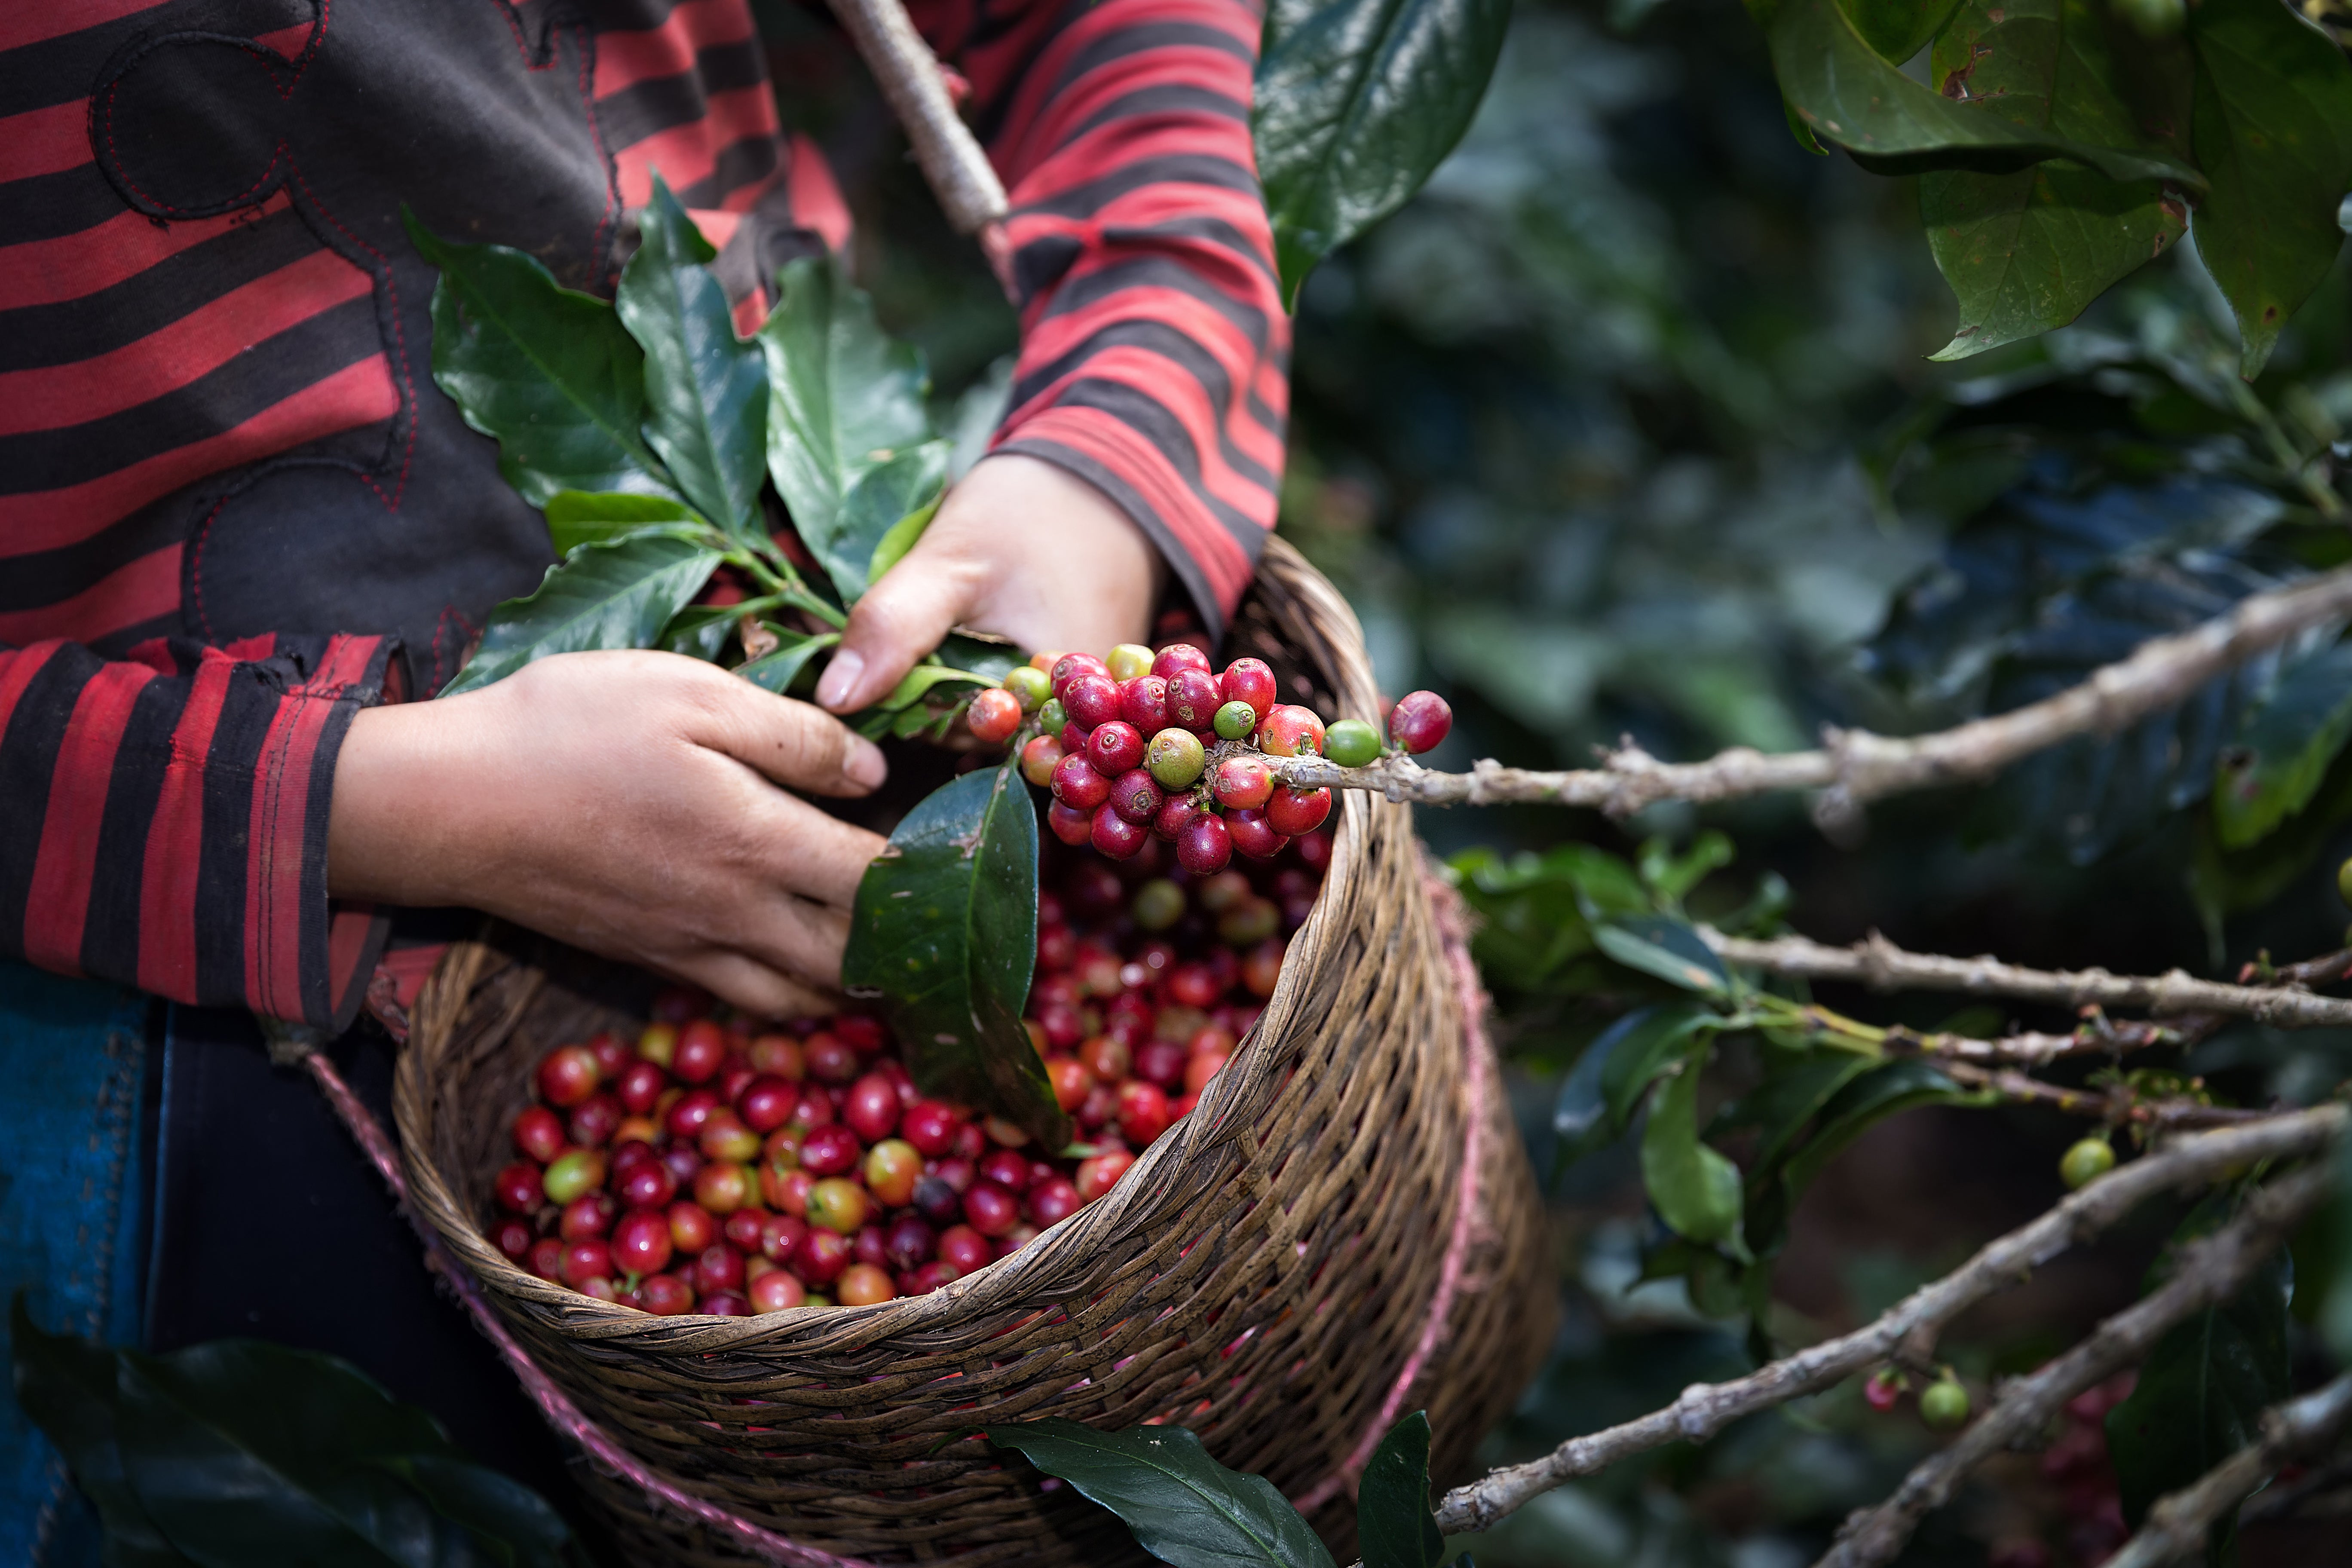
840 677
864 767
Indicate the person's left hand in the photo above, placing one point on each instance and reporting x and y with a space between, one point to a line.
1020 548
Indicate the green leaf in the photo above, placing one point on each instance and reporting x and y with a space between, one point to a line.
601 596
843 399
68 1386
1785 1102
2203 1388
1667 947
1847 94
893 499
700 631
1184 1507
775 671
575 518
2283 747
1394 1528
944 932
1698 1191
1869 1099
1358 102
899 538
920 679
2273 130
515 1523
1647 1050
550 374
1671 877
1897 29
706 389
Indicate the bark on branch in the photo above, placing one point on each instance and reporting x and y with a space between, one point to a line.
1910 1327
1854 766
1883 966
2178 1523
911 82
2210 1270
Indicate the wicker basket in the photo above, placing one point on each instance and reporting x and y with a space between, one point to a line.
1265 1274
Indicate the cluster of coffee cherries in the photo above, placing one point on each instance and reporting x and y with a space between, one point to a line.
1145 744
721 1166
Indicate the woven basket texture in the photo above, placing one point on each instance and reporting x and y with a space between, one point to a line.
1262 1274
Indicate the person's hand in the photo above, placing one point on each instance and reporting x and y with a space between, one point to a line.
1020 549
632 804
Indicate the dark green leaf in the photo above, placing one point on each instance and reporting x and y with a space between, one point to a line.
1577 1115
1697 1190
845 399
1667 947
700 631
513 1523
894 497
1785 1102
2273 130
1897 29
548 373
1358 102
2201 1393
1184 1507
706 389
2283 746
602 596
1644 1052
1394 1528
1847 94
775 671
1868 1100
68 1387
575 518
944 933
982 655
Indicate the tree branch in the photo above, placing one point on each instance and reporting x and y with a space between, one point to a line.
1854 766
911 80
2178 1523
2118 1105
1910 1327
2210 1269
1880 965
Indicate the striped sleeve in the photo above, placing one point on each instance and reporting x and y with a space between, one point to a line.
166 818
1155 350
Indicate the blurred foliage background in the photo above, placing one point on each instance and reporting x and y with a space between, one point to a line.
1625 426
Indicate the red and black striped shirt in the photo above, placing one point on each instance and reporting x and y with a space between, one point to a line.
234 509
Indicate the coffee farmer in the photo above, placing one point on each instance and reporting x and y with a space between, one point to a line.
243 536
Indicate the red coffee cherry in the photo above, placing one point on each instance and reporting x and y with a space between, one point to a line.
1160 1062
1242 784
1038 757
1114 748
1070 665
1069 825
1419 721
1071 1081
1249 680
518 1188
718 1268
1263 967
640 1087
990 1209
726 1304
829 1150
963 1249
1143 1112
666 1296
1135 795
1291 731
778 1290
539 1132
831 1060
1091 701
1178 656
1204 847
1053 1201
1100 1175
689 1111
1116 836
568 1074
1193 701
640 1243
767 1103
1143 702
1292 811
1076 785
590 1213
930 1126
648 1185
872 1109
691 1226
588 1259
722 1187
993 716
1253 834
1175 814
821 1257
701 1052
547 1258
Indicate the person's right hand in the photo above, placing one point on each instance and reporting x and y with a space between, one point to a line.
632 804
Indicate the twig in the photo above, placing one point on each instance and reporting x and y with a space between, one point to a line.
1883 966
1910 1327
2029 1048
2288 1497
2210 1269
1854 766
909 77
2178 1523
2117 1104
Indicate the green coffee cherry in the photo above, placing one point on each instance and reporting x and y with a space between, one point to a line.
1944 1403
1029 685
1128 661
1351 744
2154 18
1235 721
1052 715
2344 881
1158 904
2086 1161
1176 758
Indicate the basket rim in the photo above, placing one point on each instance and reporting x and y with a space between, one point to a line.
1033 1278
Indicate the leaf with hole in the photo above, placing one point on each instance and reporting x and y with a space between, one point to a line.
1358 102
944 935
2283 746
1394 1528
1184 1507
706 389
550 375
613 595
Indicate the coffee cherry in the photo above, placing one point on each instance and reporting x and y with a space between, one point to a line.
725 1139
1071 1081
1160 1062
831 1060
741 1230
1028 686
572 1173
682 1161
722 1187
689 1111
1253 834
1135 795
1128 661
871 1107
513 1237
1944 1403
1071 665
692 1228
892 1168
1143 702
1115 836
1176 758
1420 721
778 1056
1069 825
1249 680
726 1304
1351 742
648 1185
1243 783
658 1044
1194 985
538 1133
1193 701
701 1052
829 1150
1234 720
963 1249
590 1213
929 1277
546 1258
586 1259
1291 731
1292 811
718 1267
1053 1201
821 1257
767 1103
838 1205
1263 968
642 1243
1007 1168
568 1074
993 716
518 1188
1158 904
1097 1175
779 1290
1884 1390
640 1087
1206 847
1076 785
1178 656
2086 1161
1115 748
930 1126
1143 1112
1202 1067
1039 756
1091 701
990 1209
1174 815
